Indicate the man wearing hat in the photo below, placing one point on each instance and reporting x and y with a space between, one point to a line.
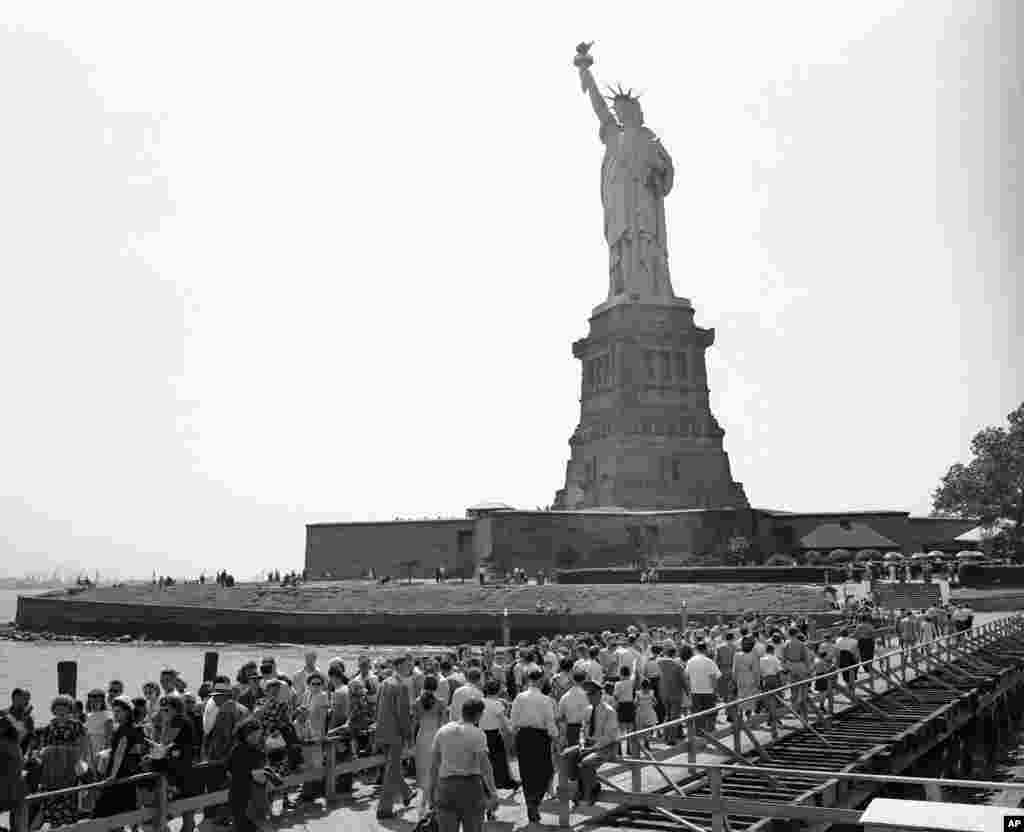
299 679
220 716
599 738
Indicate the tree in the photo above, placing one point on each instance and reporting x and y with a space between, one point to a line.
990 488
410 565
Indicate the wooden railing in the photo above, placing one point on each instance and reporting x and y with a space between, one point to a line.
156 816
879 675
720 806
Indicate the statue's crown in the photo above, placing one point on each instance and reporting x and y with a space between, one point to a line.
618 92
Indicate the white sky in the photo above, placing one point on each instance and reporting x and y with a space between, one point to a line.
270 264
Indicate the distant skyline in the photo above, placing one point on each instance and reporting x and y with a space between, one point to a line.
263 268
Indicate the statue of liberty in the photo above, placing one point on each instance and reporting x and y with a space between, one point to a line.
636 176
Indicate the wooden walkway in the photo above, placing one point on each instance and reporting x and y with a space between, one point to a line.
902 706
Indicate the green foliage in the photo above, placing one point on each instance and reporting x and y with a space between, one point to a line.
990 487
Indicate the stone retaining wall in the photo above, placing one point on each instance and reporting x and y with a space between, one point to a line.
182 623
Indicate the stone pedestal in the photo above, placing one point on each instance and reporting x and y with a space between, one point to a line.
647 438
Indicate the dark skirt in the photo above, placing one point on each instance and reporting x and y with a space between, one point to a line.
116 799
866 646
498 755
533 748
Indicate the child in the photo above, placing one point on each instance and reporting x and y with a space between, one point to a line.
646 716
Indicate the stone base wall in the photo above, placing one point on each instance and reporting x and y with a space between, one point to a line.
167 623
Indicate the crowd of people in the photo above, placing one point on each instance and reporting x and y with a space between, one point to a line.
452 721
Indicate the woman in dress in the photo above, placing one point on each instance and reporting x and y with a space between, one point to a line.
865 635
246 764
151 691
427 714
99 727
63 749
12 784
178 743
496 727
646 715
275 718
796 663
361 714
311 727
128 746
746 673
849 655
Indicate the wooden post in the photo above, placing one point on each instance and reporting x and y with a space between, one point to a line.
564 791
210 665
19 818
683 618
160 809
691 743
637 772
331 776
67 678
506 628
737 730
718 817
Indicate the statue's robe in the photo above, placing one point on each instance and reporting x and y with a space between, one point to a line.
636 175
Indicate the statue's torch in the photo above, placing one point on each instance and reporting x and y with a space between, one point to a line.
583 61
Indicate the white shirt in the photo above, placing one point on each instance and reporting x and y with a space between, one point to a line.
624 690
532 709
572 707
593 669
703 673
493 716
299 679
770 665
210 711
628 657
460 746
461 697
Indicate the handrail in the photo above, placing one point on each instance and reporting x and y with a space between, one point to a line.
832 674
803 807
163 808
840 775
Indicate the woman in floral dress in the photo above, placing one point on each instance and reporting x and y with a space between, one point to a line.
62 748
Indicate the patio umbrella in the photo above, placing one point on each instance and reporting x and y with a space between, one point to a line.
920 556
839 555
868 555
893 557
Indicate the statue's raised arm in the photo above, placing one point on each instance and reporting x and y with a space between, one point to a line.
583 61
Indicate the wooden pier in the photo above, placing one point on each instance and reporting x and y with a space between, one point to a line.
904 706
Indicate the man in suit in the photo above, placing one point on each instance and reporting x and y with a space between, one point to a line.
394 733
671 689
600 741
